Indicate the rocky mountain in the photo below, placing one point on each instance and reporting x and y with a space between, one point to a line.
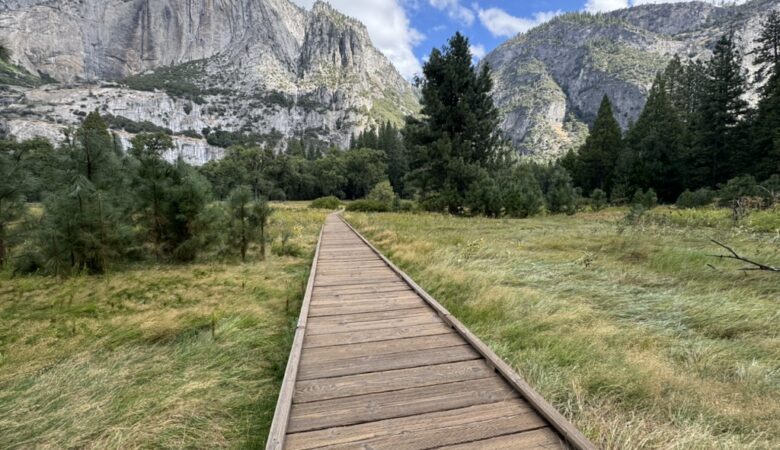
208 71
550 80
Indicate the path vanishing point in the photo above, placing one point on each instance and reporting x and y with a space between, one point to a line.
377 363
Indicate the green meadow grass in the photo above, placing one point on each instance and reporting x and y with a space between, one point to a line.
633 332
150 356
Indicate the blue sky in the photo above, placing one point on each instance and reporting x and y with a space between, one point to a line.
406 30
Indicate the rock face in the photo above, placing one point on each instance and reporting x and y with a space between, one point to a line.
252 66
549 81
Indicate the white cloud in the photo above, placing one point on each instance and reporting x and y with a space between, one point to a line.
478 51
455 10
389 28
502 24
605 5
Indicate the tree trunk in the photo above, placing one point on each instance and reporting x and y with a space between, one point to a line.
262 241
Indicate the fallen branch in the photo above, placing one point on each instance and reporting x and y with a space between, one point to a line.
735 256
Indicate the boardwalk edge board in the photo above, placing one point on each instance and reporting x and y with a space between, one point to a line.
568 431
278 429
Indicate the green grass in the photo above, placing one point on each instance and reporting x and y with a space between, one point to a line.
12 74
129 359
626 329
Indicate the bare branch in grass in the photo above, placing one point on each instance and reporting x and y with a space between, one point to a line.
753 265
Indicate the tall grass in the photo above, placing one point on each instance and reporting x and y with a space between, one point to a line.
151 355
633 332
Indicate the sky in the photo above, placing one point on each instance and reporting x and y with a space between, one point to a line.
406 30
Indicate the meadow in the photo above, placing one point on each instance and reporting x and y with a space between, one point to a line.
153 355
632 330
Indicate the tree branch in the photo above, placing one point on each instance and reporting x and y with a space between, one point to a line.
735 256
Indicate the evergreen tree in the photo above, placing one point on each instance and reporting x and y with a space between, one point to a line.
92 153
654 150
484 196
718 147
520 192
363 169
249 217
15 182
767 51
597 158
457 136
390 141
152 185
86 212
559 193
766 128
170 197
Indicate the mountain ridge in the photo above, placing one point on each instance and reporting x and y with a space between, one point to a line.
550 80
264 67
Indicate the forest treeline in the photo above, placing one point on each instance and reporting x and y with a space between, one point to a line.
696 140
696 133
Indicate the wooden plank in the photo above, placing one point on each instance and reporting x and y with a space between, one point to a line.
362 289
402 292
368 383
346 319
330 309
388 405
385 334
358 298
354 281
278 430
316 327
543 438
570 433
337 352
425 431
384 362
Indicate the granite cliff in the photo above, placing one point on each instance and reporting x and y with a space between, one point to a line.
550 80
266 67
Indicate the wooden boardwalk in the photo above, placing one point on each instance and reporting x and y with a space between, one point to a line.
377 363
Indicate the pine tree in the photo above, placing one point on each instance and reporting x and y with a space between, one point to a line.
86 212
654 149
457 136
390 141
767 51
766 128
249 217
15 181
520 192
93 154
152 184
718 147
597 158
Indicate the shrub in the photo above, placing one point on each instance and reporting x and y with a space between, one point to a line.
559 192
598 199
329 202
382 193
405 205
647 200
484 197
770 190
521 193
737 188
697 199
367 206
